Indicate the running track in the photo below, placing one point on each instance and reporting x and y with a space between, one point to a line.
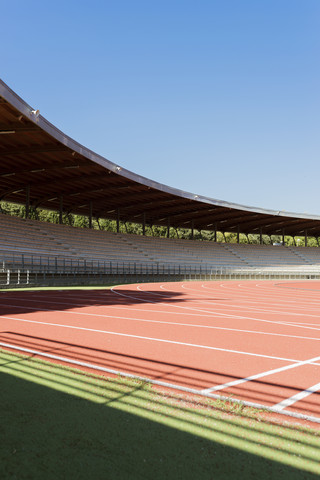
258 341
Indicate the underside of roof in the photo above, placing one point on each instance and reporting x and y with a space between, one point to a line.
45 167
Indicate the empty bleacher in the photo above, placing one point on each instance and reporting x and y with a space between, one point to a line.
269 256
34 244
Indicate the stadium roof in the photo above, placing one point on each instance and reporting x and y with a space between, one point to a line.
46 168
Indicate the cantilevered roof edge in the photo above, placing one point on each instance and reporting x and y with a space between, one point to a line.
11 97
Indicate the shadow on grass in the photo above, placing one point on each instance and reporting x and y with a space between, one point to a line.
57 424
256 391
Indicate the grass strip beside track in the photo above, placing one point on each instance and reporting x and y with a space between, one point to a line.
58 422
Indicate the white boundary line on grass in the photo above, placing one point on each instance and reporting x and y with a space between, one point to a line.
299 416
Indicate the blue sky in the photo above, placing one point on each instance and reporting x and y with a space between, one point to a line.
219 98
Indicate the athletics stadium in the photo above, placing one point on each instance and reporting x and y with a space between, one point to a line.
216 320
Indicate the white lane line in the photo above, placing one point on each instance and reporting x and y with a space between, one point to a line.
162 384
126 307
243 304
206 312
245 307
295 398
153 339
224 315
260 375
178 324
253 297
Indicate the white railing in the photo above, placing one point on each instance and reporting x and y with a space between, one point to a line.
125 272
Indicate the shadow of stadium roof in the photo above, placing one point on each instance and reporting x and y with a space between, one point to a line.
55 170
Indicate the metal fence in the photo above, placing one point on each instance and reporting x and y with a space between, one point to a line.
28 270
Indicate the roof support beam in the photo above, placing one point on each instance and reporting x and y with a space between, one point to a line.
16 128
27 200
32 150
144 223
43 168
118 220
90 214
61 210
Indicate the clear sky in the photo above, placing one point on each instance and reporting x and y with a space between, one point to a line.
216 97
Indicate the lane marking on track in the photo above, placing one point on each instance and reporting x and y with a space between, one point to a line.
178 324
295 398
210 304
224 315
206 312
169 323
260 375
153 339
244 305
181 388
272 294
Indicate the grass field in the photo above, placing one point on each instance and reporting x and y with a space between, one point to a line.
59 423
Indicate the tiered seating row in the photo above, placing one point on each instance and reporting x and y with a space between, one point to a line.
88 244
311 255
30 237
262 255
183 251
20 236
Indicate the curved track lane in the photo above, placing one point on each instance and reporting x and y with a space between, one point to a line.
255 341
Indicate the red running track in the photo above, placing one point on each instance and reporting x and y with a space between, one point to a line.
257 341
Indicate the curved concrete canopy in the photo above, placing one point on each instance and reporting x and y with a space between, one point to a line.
53 171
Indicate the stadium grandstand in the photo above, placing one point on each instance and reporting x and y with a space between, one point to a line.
42 168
